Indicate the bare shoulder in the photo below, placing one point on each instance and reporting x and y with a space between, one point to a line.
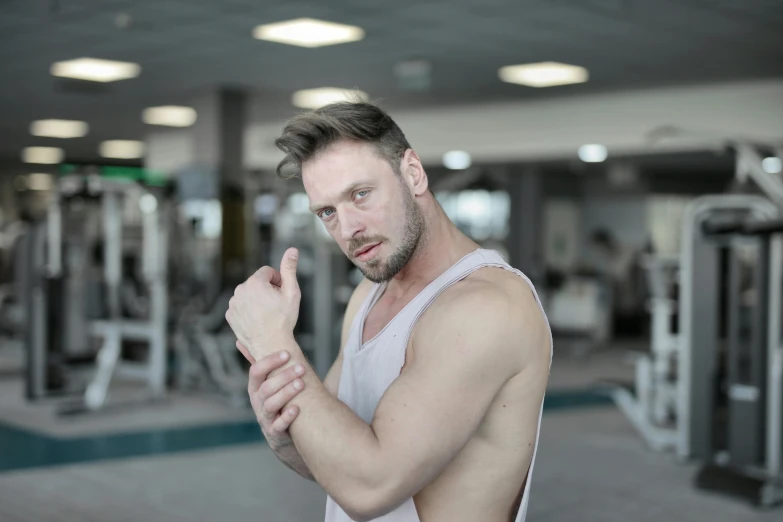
496 305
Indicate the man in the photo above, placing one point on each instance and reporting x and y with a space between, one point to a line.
621 268
432 408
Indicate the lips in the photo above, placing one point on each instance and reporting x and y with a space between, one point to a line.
364 249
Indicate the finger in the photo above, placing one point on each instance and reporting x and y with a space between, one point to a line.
269 274
276 278
241 347
278 401
283 422
275 383
261 369
288 272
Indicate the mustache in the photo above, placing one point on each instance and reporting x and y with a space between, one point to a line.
356 244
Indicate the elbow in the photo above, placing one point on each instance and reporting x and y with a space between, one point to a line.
358 514
364 510
364 504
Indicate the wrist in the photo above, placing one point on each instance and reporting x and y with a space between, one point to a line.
269 344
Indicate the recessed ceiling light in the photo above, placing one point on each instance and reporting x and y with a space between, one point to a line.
39 181
592 153
544 74
308 32
772 165
96 70
43 155
122 149
315 98
456 160
170 116
59 128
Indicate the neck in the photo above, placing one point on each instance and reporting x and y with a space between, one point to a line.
439 248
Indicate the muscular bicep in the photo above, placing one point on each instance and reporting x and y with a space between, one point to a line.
432 410
332 379
436 405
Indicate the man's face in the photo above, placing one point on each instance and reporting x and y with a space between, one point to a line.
366 207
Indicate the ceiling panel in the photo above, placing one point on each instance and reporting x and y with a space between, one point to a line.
187 46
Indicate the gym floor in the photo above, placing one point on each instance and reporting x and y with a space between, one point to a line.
193 458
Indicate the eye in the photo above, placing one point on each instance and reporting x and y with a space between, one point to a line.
326 213
362 194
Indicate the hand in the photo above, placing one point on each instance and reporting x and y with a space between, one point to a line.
269 395
265 308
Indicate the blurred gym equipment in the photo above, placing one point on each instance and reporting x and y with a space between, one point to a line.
12 267
97 287
714 392
206 352
653 405
731 363
580 308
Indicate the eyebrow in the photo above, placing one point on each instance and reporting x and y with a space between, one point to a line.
350 188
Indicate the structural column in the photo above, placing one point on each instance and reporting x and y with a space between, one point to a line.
207 160
526 221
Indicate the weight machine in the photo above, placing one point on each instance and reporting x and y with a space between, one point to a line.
713 393
730 408
652 407
206 351
77 314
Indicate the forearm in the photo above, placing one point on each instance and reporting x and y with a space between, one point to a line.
339 449
286 452
288 455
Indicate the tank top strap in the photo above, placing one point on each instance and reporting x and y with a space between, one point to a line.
460 270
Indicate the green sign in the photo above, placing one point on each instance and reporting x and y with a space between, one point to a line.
138 174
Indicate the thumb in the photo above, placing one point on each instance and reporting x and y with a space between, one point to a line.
288 272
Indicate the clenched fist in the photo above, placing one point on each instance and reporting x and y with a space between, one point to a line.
265 308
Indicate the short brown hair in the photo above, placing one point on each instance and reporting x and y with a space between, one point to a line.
309 133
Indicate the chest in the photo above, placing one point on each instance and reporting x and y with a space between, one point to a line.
382 313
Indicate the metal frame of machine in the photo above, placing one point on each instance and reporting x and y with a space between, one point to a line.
651 405
690 355
114 328
696 366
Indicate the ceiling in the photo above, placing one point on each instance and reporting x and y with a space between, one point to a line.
186 47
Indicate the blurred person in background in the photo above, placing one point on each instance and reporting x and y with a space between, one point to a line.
621 266
432 408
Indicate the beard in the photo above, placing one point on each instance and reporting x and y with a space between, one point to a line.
380 271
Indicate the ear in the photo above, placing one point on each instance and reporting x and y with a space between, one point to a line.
413 172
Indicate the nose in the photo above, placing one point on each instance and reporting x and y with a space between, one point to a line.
350 224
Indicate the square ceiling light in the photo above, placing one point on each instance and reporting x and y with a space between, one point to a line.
170 116
315 98
59 128
43 155
544 74
122 149
95 70
308 32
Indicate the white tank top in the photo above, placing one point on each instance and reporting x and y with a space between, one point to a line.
369 369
